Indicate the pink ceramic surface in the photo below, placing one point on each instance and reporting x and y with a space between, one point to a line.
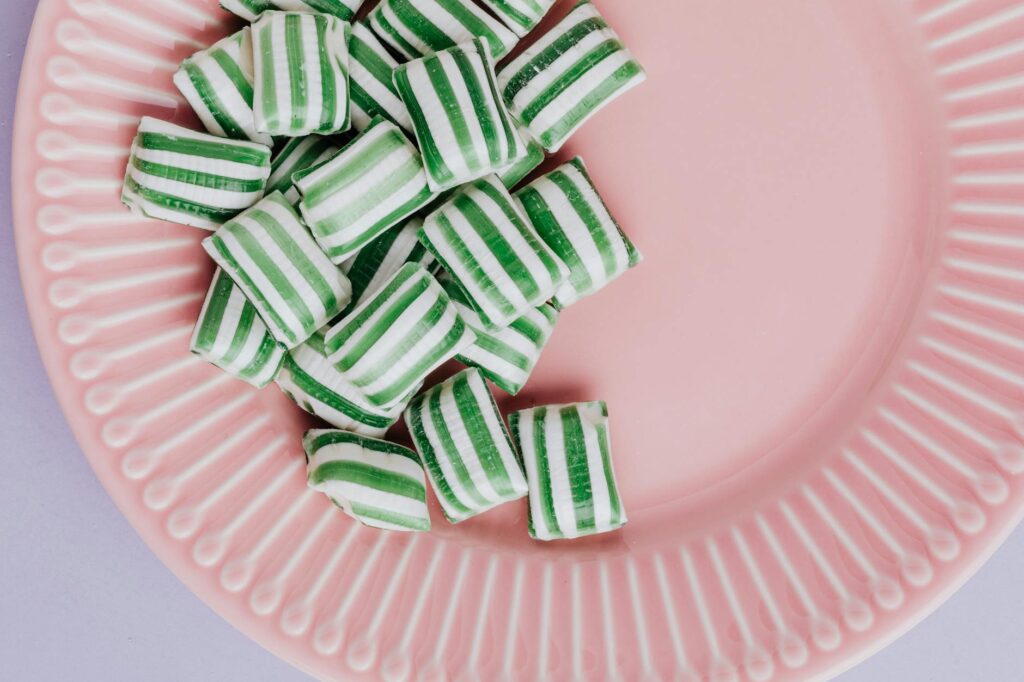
816 379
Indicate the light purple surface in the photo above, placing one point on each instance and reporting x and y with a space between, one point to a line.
81 596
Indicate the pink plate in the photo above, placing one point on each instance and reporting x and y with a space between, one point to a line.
816 379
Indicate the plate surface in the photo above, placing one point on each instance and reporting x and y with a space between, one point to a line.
816 379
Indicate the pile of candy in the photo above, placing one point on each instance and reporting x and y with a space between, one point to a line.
356 177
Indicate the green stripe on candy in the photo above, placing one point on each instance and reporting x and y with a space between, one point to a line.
566 453
567 212
300 64
522 16
372 184
461 124
568 75
378 483
415 28
374 264
371 81
298 154
251 9
230 335
482 239
192 178
218 83
271 256
392 341
462 440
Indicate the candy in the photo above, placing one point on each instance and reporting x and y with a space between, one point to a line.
271 256
378 261
562 80
463 443
506 356
315 385
371 83
567 456
414 28
379 484
522 16
250 9
301 73
570 216
298 154
482 239
514 173
461 124
372 184
217 83
231 335
391 342
192 178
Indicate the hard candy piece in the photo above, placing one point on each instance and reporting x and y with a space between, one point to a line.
414 28
371 81
522 16
377 262
298 154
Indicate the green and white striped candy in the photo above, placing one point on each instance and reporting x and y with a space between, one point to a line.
298 154
271 256
372 184
231 335
414 28
391 342
251 9
483 240
371 81
514 173
506 356
377 262
315 385
563 79
217 83
566 451
461 124
192 178
570 216
379 484
522 16
465 448
301 74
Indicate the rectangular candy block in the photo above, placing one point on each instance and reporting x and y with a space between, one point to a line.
415 28
467 452
196 179
271 256
372 184
379 484
522 16
484 242
218 83
371 81
300 62
230 335
568 75
566 451
570 216
461 124
391 342
251 9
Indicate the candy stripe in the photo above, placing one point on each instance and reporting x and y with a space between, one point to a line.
522 16
230 335
251 9
463 443
391 342
566 453
315 385
481 238
415 28
461 124
372 184
371 82
300 62
269 253
378 483
218 83
297 154
558 83
377 262
192 178
570 216
514 173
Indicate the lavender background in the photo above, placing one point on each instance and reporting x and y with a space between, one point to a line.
81 597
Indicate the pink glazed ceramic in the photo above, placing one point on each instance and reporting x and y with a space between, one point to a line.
816 379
